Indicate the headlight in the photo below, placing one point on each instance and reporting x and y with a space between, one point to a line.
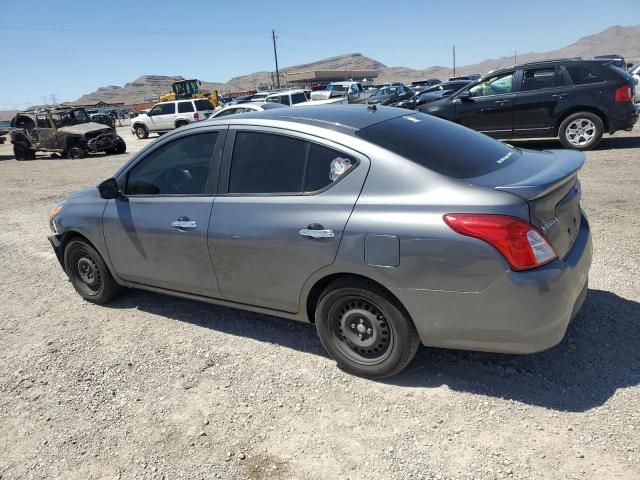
55 210
52 217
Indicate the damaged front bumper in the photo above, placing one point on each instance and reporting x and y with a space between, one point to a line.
105 141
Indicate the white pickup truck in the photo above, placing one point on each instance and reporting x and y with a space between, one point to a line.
348 92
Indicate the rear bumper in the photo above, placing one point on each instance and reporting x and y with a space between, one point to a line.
522 312
625 121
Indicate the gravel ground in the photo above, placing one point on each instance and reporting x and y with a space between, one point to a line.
157 387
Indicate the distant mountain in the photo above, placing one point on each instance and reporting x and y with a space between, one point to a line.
147 86
620 40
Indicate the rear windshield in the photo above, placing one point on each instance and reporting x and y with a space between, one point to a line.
440 146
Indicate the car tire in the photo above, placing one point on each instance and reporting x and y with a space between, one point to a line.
88 273
386 342
142 132
581 131
76 153
121 147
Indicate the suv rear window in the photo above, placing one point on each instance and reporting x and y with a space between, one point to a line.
583 76
184 107
440 146
203 104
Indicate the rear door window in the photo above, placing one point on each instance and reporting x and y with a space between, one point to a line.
538 79
298 98
583 76
325 166
185 107
440 146
267 163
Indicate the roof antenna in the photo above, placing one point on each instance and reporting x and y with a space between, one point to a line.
372 108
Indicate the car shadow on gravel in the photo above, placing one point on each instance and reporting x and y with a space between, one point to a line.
599 355
264 328
607 143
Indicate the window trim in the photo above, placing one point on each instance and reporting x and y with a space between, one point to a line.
225 171
214 169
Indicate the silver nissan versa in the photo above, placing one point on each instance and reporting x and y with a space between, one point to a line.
385 228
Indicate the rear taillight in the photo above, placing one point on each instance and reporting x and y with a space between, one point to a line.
196 116
519 242
623 94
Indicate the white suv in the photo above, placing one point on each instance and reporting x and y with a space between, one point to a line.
291 97
166 116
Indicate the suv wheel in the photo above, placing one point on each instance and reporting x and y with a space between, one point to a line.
581 131
142 132
76 153
181 123
88 272
364 329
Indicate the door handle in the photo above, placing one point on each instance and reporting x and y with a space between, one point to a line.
316 233
559 95
501 102
183 224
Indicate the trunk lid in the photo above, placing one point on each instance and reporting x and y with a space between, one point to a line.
548 182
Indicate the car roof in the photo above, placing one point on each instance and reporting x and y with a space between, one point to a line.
341 118
287 92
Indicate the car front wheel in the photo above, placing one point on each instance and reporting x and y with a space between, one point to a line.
581 131
88 273
364 329
142 132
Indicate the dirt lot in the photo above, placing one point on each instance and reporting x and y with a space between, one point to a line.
155 387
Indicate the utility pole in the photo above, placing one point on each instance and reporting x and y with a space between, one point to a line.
454 60
515 57
275 54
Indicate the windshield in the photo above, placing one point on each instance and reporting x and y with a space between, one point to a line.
71 117
337 88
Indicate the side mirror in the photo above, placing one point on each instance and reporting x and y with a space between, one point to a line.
109 189
466 95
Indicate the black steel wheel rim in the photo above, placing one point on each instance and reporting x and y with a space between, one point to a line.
86 272
360 330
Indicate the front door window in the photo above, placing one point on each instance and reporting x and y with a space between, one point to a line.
498 85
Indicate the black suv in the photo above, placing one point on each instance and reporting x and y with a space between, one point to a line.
575 100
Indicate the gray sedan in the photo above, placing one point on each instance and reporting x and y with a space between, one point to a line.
386 229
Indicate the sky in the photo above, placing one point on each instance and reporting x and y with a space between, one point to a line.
67 48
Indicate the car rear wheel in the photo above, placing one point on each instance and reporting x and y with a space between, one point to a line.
581 131
88 273
364 329
181 123
142 132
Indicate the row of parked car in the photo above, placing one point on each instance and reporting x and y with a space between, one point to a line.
576 100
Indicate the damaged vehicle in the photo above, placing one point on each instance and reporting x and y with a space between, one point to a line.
65 130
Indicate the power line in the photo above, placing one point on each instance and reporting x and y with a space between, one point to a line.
116 31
